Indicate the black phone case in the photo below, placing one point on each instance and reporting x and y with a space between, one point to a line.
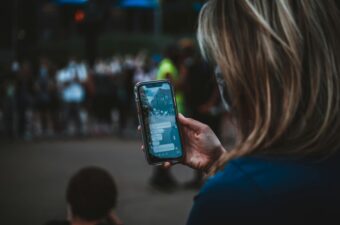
141 122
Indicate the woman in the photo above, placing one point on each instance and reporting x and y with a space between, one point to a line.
280 61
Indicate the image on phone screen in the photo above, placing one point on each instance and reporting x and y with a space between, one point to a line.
159 115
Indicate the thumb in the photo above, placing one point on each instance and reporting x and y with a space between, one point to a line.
190 123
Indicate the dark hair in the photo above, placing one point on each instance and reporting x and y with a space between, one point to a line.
91 193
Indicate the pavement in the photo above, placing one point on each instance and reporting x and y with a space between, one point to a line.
34 175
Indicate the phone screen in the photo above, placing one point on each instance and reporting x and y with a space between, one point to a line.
159 119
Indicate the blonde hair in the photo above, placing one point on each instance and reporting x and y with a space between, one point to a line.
280 61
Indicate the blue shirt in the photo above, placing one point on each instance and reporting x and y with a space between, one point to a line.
263 190
74 93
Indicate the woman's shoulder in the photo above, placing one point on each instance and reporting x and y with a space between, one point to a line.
229 193
236 179
256 187
267 175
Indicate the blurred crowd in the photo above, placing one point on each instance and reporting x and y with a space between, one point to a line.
72 99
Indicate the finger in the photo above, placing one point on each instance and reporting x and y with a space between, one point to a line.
187 133
139 128
166 165
191 123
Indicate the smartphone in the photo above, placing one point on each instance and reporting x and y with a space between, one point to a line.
157 113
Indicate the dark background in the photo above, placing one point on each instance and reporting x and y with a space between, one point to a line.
51 27
36 163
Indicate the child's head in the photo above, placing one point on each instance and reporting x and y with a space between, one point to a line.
91 194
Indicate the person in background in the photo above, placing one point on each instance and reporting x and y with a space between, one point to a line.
104 96
146 70
201 94
126 95
71 85
24 100
9 103
54 106
91 197
168 69
43 85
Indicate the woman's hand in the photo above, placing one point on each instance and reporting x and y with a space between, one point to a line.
202 147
